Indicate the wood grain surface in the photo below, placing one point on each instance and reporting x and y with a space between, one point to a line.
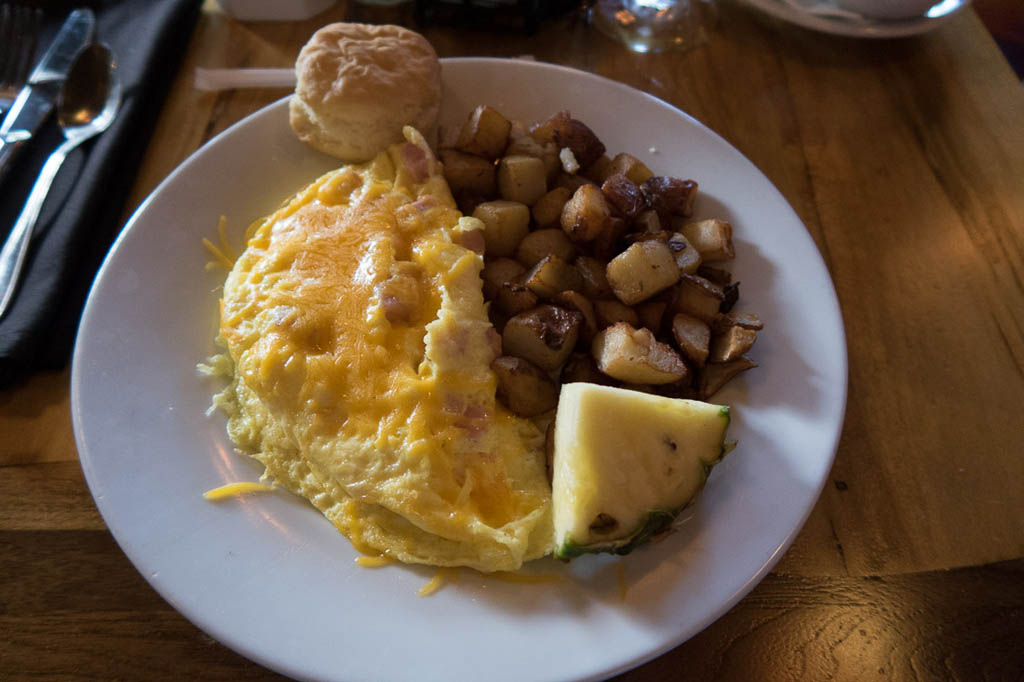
904 159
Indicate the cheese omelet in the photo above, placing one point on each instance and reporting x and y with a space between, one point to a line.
360 353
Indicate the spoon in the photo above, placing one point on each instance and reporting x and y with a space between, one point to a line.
88 103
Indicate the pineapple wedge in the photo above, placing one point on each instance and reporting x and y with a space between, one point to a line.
625 463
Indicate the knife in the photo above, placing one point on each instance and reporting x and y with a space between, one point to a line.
36 99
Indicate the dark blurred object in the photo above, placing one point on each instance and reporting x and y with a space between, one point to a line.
1004 19
83 212
499 15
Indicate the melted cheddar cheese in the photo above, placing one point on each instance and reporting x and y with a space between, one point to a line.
361 354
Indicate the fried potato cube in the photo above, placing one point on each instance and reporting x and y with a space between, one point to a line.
714 377
635 356
651 314
521 143
566 131
688 259
513 297
608 244
547 211
712 238
523 387
522 178
580 367
731 345
648 221
693 337
586 214
630 166
506 223
595 283
498 271
469 173
544 335
641 271
623 195
485 133
670 196
536 245
570 182
552 275
698 297
610 312
599 170
574 300
722 323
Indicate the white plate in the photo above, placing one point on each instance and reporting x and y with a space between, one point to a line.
269 577
941 11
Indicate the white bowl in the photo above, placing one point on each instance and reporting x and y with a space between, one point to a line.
888 9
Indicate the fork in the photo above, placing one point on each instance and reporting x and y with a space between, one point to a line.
19 32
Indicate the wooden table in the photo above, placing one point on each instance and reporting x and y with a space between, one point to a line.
905 160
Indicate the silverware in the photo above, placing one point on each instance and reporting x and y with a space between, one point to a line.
19 31
36 99
88 103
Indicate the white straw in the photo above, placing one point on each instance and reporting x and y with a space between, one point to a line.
230 79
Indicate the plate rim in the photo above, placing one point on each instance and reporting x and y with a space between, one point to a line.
285 665
873 29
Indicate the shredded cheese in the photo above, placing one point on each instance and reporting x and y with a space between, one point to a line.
236 490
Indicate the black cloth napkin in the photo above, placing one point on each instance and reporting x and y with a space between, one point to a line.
82 214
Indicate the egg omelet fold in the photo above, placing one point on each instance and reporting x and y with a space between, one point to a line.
361 351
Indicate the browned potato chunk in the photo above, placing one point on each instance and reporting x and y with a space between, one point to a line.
545 132
651 313
670 196
513 297
717 275
699 297
574 300
623 195
544 335
721 323
568 132
552 275
630 166
712 238
580 367
469 173
648 221
713 377
641 271
693 337
497 272
609 243
523 144
610 312
524 387
688 259
599 170
522 178
485 133
547 211
536 245
570 182
505 225
635 356
586 214
732 344
595 283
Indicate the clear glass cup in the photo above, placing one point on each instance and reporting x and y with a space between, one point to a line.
655 25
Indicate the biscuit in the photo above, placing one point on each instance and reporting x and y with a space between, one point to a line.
359 84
